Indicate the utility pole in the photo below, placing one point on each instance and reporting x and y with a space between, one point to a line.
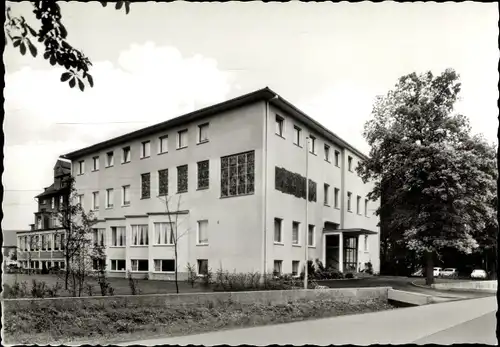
306 229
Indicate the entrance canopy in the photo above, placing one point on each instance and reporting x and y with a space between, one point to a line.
356 232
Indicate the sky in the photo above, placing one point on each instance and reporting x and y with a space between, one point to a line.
165 59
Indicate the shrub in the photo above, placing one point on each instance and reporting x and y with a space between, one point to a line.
17 290
38 289
89 289
369 268
53 291
192 275
349 275
133 284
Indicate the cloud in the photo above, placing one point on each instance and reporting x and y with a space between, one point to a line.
45 118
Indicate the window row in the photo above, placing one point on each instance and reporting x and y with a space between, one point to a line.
296 231
41 242
160 265
164 233
297 140
145 149
41 264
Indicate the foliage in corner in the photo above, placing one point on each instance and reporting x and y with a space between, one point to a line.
53 35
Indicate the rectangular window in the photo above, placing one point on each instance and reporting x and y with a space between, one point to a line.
44 242
95 163
277 267
164 265
327 153
140 235
163 144
182 179
296 135
57 241
237 174
366 207
366 243
79 200
53 203
295 233
349 163
49 242
95 200
326 192
98 236
109 198
146 186
337 158
109 159
358 204
295 267
126 155
280 123
118 236
349 195
61 202
203 174
336 192
126 195
81 167
98 264
312 144
310 235
164 234
203 133
117 264
203 232
182 139
202 266
163 182
278 231
140 264
145 149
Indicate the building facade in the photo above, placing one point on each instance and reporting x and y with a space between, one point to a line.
231 180
41 247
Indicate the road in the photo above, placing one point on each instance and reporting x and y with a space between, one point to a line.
463 321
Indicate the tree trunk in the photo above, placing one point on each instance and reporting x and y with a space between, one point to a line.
429 263
176 282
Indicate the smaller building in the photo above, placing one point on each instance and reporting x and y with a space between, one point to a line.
9 248
42 246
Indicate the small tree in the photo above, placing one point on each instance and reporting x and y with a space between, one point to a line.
192 275
175 235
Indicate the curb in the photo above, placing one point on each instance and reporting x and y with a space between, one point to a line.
438 291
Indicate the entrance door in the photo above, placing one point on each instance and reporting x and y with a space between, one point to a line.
332 251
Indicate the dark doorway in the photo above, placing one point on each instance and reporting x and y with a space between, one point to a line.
332 251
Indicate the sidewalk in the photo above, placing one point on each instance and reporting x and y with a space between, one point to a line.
399 326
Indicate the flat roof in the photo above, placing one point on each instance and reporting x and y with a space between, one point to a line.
264 94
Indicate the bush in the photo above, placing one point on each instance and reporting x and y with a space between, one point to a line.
133 284
226 281
349 275
53 291
38 289
192 275
17 290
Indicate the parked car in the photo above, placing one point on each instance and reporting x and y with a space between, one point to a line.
437 271
479 274
449 272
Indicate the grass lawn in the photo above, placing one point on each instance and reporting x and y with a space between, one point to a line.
120 285
115 321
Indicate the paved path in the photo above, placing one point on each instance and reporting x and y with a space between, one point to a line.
423 324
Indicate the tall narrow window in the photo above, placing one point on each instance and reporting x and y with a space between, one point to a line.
349 163
366 243
145 149
310 235
295 267
327 153
44 242
163 182
326 191
296 135
182 139
146 186
366 207
203 174
53 203
182 179
295 233
126 195
312 144
278 264
61 202
349 195
280 123
118 236
81 167
358 204
203 133
126 155
202 266
337 158
237 174
95 200
98 237
95 163
336 192
109 198
163 234
110 159
203 232
57 241
49 242
278 231
140 235
163 144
